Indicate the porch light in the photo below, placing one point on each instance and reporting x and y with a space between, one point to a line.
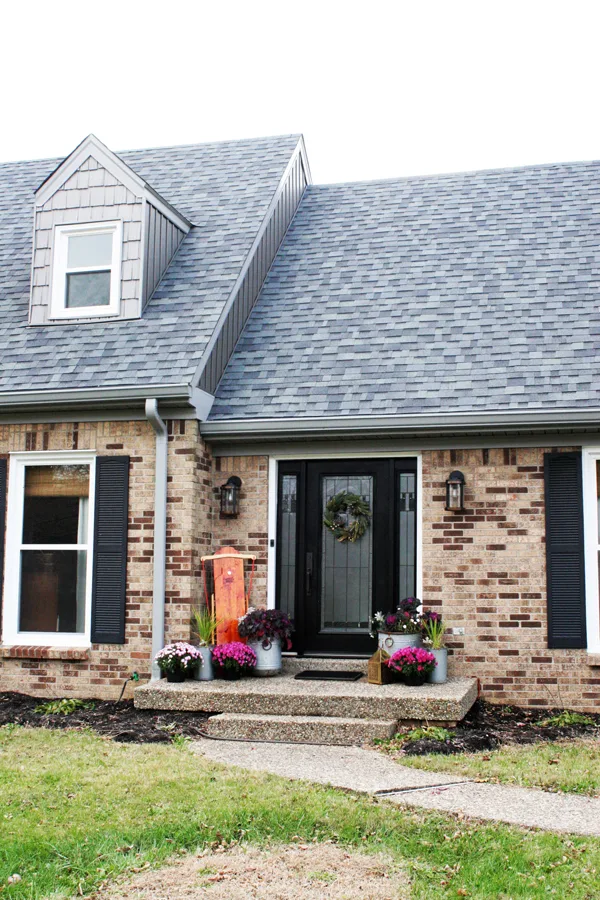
455 492
230 498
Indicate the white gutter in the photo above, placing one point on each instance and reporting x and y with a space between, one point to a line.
160 532
509 421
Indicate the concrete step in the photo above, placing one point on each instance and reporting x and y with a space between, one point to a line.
294 664
284 696
300 729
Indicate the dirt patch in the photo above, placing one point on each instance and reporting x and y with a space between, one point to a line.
120 721
488 726
312 871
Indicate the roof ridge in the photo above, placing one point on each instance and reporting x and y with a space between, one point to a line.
434 176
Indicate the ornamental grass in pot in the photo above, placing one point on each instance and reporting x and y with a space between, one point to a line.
412 665
233 660
433 629
204 627
267 632
178 661
401 628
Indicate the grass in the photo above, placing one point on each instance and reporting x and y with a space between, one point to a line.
76 810
571 767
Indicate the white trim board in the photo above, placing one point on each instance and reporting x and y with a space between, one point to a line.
590 456
12 565
272 509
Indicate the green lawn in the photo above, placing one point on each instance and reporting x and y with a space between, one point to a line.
77 809
572 767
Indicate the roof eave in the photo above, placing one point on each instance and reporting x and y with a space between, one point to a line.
430 424
89 398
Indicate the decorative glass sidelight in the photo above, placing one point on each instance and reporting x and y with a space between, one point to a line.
346 568
407 495
287 539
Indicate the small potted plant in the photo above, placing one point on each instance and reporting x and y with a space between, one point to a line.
412 665
433 629
178 661
233 660
401 628
204 624
266 631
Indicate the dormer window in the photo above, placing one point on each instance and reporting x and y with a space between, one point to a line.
86 270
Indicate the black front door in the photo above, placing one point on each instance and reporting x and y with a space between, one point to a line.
332 588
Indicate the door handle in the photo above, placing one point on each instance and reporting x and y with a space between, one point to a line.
309 573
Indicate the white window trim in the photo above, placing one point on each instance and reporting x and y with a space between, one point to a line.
590 457
12 569
58 309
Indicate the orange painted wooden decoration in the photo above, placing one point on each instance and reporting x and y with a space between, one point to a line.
230 594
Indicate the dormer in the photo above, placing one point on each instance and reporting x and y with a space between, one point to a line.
103 239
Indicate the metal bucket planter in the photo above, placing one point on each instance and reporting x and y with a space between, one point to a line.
440 673
205 671
268 658
390 641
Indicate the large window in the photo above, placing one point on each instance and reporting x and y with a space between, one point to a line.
48 571
591 486
86 270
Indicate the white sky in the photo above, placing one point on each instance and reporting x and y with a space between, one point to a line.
378 89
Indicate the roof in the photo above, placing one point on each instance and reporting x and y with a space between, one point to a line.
224 189
477 291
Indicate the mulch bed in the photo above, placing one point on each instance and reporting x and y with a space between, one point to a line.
488 726
119 721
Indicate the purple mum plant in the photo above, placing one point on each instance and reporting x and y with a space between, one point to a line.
234 656
412 662
178 657
266 625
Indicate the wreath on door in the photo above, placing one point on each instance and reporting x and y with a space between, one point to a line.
347 516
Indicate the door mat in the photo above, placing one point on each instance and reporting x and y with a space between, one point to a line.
327 675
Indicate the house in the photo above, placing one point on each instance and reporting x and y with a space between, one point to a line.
171 318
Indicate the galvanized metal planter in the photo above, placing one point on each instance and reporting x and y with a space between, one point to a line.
440 673
268 659
391 641
205 671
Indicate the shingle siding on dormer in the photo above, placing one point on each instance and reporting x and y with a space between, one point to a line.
91 194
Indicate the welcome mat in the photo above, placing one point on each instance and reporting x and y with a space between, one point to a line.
327 675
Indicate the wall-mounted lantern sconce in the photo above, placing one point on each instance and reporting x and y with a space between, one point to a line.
455 492
230 498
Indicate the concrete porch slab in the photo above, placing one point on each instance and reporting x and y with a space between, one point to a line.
284 696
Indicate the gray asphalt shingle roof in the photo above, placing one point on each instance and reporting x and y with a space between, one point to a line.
475 291
224 189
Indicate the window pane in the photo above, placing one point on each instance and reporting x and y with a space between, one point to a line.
347 568
406 534
287 584
53 591
88 289
55 506
90 250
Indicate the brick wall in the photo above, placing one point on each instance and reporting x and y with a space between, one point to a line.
102 670
485 570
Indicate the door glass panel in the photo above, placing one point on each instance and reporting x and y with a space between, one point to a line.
406 534
287 539
346 568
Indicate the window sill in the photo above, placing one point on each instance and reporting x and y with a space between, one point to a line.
593 659
24 651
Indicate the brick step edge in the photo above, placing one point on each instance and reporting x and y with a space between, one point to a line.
332 730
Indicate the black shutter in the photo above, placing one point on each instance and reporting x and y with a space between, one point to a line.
2 520
110 550
565 563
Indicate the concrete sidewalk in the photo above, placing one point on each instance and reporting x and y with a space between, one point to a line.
368 771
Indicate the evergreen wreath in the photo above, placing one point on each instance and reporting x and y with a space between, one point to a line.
359 510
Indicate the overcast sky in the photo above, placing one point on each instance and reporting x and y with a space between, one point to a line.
379 89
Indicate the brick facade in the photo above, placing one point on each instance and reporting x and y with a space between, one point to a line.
484 569
101 671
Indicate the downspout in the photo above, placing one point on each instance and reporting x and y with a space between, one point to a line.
160 532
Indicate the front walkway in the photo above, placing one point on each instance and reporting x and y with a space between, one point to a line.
368 771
